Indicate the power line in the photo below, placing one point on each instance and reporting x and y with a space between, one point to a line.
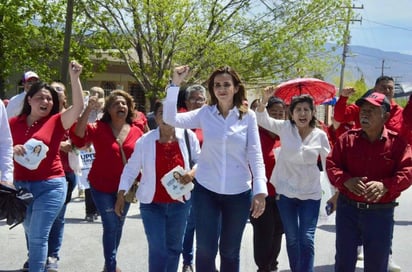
388 25
379 57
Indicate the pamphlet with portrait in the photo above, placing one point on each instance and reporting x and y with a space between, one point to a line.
36 151
171 181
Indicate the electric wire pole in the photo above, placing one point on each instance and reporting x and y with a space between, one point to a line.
346 41
383 67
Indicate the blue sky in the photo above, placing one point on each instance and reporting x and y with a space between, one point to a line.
386 25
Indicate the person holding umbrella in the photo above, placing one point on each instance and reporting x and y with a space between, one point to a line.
296 175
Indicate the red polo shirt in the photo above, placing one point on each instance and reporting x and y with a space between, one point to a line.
49 130
388 159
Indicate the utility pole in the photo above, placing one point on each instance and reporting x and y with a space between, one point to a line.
66 46
383 67
346 41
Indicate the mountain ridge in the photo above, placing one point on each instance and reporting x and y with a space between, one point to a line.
371 62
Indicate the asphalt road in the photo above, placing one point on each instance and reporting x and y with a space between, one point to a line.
82 249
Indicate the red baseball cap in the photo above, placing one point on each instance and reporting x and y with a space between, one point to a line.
376 99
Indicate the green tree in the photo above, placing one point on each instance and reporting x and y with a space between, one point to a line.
279 40
32 36
360 87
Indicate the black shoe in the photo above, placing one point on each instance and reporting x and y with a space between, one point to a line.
187 268
89 218
25 266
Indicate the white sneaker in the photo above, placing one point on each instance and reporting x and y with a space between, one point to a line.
52 265
392 266
360 253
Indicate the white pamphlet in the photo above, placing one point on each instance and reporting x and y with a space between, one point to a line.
171 181
35 152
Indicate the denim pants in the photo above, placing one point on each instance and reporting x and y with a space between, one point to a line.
373 227
48 199
189 236
299 218
164 225
112 225
267 236
220 220
57 230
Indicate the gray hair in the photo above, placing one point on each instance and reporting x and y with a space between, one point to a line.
195 88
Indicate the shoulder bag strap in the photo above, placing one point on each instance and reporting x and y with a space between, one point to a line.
188 148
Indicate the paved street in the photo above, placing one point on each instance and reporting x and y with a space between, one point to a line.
82 250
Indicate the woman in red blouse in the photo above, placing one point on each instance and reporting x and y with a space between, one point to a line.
41 122
111 136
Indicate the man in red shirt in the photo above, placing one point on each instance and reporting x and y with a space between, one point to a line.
400 120
370 167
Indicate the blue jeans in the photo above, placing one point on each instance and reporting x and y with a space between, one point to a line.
164 225
112 225
48 199
299 218
220 220
187 252
57 230
373 227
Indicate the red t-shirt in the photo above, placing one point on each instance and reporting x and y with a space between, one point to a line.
268 144
104 175
168 156
50 131
387 160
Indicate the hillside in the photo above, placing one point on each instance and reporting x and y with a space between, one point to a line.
368 61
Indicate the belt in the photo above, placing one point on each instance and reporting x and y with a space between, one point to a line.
369 206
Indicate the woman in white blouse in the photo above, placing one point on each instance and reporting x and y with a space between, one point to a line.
296 175
230 154
156 155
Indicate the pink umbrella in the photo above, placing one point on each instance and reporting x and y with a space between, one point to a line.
320 90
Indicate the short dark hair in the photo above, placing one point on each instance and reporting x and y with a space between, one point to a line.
302 99
157 106
181 98
383 78
254 102
275 100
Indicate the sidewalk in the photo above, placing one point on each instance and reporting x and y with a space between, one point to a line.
82 250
